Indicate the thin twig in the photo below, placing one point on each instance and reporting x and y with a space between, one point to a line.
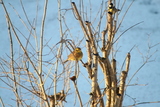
79 97
2 104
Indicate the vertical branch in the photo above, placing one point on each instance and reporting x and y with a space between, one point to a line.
12 65
114 28
109 32
95 65
113 83
109 68
107 76
75 86
103 43
99 95
59 52
121 88
41 37
89 52
40 56
94 79
106 52
79 97
128 62
52 101
89 62
122 81
105 64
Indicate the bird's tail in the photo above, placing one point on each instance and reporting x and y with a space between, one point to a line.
65 61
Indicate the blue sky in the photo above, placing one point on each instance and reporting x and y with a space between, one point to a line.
141 36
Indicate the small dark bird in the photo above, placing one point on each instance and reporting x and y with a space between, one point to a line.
112 9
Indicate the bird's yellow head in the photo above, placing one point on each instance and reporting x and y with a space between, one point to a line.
78 49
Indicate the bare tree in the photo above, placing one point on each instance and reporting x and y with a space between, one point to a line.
38 71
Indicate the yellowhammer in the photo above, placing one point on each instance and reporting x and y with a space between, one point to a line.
76 55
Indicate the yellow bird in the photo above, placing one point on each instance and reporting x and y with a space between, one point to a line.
112 9
76 55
